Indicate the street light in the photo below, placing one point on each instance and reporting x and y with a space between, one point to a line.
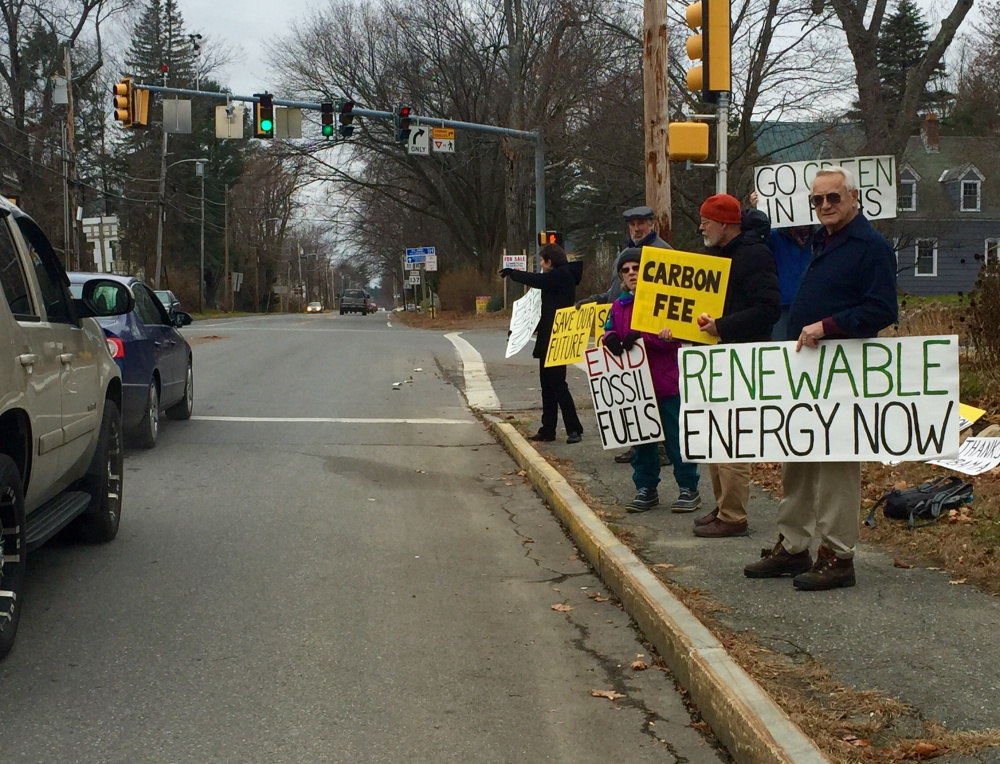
159 232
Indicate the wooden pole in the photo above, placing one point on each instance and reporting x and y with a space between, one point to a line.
656 114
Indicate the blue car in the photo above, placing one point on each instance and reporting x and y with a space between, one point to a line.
155 360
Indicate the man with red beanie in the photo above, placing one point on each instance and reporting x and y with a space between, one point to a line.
753 305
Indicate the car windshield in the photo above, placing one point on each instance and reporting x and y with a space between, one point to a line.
314 305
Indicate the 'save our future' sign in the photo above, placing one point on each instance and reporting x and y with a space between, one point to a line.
848 400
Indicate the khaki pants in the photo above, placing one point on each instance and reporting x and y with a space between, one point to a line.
821 499
731 485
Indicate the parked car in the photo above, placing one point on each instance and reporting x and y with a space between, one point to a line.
354 301
155 360
60 398
314 307
170 302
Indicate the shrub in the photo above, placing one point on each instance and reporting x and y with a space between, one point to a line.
495 303
458 290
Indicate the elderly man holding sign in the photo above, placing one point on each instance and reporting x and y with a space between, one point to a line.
847 291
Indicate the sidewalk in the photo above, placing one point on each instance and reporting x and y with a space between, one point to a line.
909 634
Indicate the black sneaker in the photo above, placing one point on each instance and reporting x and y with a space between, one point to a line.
646 498
574 437
688 501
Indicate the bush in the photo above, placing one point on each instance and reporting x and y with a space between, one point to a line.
495 303
458 290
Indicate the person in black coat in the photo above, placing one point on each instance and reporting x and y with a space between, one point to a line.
557 282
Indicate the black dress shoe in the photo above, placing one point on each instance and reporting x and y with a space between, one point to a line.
574 437
540 437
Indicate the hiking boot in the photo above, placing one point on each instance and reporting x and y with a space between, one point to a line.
777 562
718 529
574 437
646 498
625 457
829 572
687 501
706 519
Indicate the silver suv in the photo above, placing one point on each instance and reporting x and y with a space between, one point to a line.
60 403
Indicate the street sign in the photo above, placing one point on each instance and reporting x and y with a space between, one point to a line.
287 123
443 139
516 262
415 278
418 255
176 116
419 141
431 263
229 121
237 279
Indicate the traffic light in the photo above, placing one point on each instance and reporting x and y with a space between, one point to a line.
264 115
326 115
688 141
711 47
346 118
123 101
403 124
550 237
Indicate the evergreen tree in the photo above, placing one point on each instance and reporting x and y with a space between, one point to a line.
158 41
902 43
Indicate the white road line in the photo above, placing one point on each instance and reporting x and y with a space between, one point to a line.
330 420
479 390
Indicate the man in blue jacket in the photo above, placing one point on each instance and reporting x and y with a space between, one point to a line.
848 290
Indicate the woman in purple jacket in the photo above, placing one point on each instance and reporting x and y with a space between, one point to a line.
661 350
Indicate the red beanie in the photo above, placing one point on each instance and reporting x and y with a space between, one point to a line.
722 208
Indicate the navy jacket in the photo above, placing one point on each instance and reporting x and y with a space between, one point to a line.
753 302
792 261
558 291
851 280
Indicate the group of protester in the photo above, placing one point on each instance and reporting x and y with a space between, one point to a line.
834 281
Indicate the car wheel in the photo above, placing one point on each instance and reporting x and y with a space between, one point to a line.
148 430
341 312
104 481
183 408
12 556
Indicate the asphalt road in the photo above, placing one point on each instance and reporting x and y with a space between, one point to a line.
322 567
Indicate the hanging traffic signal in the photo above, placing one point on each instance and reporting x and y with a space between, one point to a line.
123 101
346 118
403 124
550 237
264 115
326 115
711 47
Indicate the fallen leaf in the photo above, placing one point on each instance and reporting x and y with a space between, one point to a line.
521 473
957 581
561 608
663 566
934 569
924 749
702 727
639 665
898 563
574 557
597 597
609 694
422 472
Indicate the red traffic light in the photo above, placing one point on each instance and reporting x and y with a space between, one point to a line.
403 123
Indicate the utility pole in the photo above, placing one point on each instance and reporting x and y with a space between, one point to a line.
655 86
71 155
227 298
161 210
200 169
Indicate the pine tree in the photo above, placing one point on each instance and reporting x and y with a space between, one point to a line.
158 41
902 43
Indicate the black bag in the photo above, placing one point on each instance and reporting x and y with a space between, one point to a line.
923 502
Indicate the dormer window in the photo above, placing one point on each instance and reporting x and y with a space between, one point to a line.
971 199
907 199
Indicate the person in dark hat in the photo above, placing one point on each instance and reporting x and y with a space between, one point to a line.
641 234
753 304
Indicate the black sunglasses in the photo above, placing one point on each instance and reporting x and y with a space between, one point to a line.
630 268
816 200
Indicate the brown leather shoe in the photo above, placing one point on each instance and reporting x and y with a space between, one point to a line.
706 519
625 457
829 572
717 529
777 562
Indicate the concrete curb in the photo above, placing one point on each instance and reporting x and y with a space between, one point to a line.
748 722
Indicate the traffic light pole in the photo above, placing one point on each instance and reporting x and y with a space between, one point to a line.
722 143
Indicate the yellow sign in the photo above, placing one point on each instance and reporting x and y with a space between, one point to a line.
675 288
481 303
969 415
443 133
600 319
570 335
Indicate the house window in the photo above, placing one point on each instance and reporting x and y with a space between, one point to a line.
991 252
970 196
925 263
907 199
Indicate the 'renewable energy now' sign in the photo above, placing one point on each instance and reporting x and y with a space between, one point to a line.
848 400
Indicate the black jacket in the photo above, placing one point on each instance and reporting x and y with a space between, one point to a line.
851 279
753 299
558 291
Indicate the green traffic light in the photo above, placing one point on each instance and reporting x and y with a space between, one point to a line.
327 130
266 125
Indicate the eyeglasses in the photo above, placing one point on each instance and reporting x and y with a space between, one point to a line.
816 200
630 268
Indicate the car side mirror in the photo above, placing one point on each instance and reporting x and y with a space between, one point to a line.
103 298
182 319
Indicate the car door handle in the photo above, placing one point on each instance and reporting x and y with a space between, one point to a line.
27 359
66 357
171 342
156 343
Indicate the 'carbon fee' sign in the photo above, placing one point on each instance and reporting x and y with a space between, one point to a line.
675 288
570 335
624 401
783 189
848 401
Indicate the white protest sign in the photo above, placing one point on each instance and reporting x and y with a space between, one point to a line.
848 401
783 189
524 317
977 455
624 400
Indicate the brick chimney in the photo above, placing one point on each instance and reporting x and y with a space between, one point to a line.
930 133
